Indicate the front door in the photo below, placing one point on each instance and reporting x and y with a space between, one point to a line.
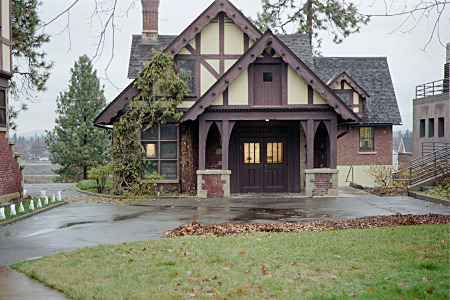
263 165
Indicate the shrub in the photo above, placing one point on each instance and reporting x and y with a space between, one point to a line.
149 185
100 175
381 175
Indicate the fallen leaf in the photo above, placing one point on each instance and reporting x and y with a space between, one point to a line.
191 295
387 278
352 294
242 253
239 291
247 285
264 271
430 291
188 272
425 278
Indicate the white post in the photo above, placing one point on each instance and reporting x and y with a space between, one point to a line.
39 204
2 213
13 209
31 204
21 209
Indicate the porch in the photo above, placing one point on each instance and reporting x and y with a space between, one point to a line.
267 151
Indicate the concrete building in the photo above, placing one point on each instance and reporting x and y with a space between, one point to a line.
431 114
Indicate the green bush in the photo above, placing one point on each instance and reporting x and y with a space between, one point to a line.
100 175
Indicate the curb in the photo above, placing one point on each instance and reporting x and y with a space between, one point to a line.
12 221
422 196
134 197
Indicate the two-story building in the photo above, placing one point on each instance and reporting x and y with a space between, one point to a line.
11 182
264 115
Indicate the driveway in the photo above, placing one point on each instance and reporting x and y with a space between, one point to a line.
78 225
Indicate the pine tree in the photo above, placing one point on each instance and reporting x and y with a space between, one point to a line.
75 142
311 16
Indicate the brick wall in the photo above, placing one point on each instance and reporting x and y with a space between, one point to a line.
10 172
213 149
322 183
213 184
348 147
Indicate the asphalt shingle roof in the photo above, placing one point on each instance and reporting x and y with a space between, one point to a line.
372 74
141 53
299 44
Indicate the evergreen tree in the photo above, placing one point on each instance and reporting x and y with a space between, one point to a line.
311 16
75 143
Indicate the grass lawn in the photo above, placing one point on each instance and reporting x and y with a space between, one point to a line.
26 205
91 185
378 263
442 191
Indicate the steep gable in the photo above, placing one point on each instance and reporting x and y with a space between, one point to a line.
321 92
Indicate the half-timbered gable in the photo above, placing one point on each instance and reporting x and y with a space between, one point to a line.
263 114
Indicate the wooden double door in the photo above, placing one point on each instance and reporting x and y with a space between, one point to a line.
263 165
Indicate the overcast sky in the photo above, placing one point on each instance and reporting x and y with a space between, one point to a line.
409 65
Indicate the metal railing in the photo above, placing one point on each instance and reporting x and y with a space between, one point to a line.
425 167
432 88
429 147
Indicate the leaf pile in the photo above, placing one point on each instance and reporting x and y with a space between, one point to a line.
230 228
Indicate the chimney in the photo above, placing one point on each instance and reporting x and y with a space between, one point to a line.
150 21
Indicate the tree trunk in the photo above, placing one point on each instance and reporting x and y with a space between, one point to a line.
85 172
309 20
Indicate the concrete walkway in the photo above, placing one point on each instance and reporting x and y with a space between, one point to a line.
78 225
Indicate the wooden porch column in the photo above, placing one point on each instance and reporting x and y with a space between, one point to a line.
310 144
333 143
202 144
225 143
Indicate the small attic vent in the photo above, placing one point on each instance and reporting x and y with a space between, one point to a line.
215 20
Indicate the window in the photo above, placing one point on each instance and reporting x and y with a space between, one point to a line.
2 108
422 128
346 97
441 126
187 67
274 153
366 139
252 153
430 127
267 77
160 148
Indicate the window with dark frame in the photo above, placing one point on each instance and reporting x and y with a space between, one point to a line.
2 108
430 127
346 95
160 149
441 127
422 128
187 67
366 139
267 76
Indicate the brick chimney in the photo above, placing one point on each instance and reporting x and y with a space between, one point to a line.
150 21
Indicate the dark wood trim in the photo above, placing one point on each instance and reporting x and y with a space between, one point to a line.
309 143
270 40
310 95
251 85
246 42
284 84
272 116
225 98
205 18
209 67
222 43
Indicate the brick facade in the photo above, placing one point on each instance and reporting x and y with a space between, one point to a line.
150 20
348 153
213 184
10 171
321 182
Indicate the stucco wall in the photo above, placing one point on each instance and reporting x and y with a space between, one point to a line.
426 108
297 88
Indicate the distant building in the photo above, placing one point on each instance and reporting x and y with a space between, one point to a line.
405 152
10 171
431 114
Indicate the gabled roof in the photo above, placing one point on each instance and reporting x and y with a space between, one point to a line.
143 52
344 76
299 45
206 16
111 111
372 74
270 40
406 145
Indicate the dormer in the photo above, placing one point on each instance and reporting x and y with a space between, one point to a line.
349 91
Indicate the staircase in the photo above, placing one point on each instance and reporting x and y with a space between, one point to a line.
425 168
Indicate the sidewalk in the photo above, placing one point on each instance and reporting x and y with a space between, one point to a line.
18 286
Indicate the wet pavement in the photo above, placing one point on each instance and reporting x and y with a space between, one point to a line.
78 225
